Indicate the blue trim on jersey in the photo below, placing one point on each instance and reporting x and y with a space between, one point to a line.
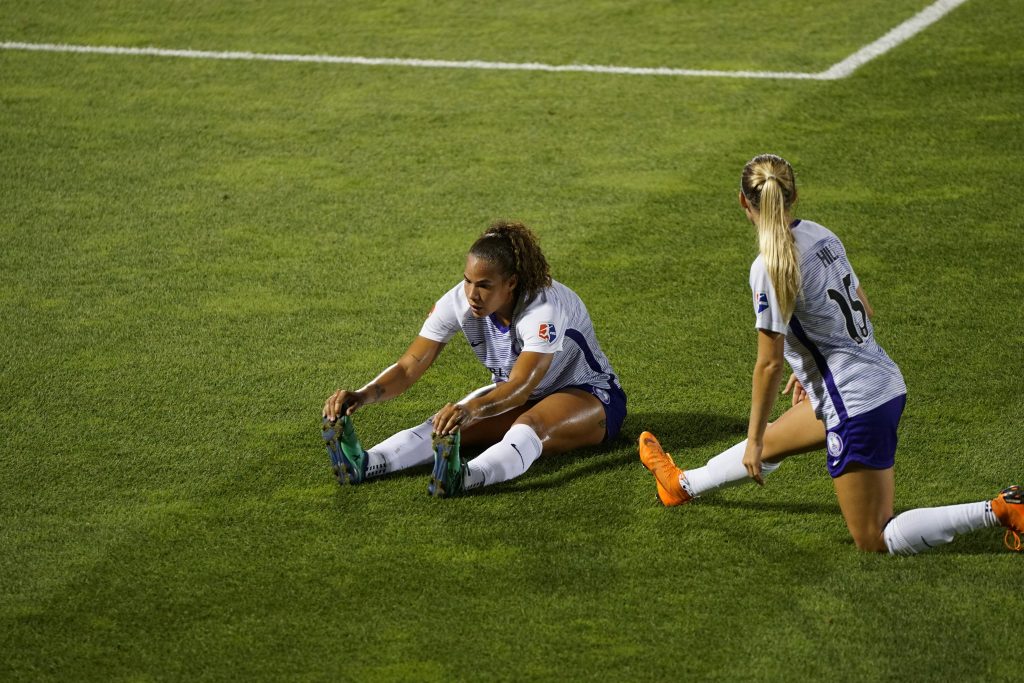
819 360
588 355
497 323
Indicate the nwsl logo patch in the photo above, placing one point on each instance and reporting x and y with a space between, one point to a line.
762 301
547 332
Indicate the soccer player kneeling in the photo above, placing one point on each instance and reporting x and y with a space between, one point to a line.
848 395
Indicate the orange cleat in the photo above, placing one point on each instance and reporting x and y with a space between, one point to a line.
666 474
1008 507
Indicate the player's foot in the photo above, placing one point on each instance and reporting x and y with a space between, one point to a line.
348 459
1008 507
666 474
449 473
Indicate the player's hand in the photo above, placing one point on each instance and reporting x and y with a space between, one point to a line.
798 389
752 461
342 401
453 417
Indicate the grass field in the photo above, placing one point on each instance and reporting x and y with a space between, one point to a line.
196 253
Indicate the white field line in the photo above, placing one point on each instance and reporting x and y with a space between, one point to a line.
842 69
390 61
902 33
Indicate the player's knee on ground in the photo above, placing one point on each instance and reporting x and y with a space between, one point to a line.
869 539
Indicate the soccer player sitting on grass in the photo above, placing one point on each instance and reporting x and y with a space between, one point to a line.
553 389
848 395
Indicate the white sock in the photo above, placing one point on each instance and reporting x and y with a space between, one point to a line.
407 448
723 470
410 447
506 459
914 531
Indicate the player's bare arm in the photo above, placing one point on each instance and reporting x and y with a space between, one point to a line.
864 300
528 371
767 374
391 382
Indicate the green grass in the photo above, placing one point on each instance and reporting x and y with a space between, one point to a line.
195 254
662 33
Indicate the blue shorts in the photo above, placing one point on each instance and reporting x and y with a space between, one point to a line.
614 402
868 439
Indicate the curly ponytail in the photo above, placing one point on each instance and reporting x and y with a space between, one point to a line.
514 248
769 186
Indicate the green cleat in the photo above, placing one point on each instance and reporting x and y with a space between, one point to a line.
449 475
348 459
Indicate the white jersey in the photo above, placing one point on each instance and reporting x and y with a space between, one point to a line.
830 342
555 321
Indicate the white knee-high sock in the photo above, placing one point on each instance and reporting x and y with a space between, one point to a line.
725 469
914 531
506 459
410 447
407 448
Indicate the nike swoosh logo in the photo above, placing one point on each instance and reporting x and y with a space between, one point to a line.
475 344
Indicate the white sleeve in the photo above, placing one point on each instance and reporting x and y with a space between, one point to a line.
854 281
766 307
442 322
542 326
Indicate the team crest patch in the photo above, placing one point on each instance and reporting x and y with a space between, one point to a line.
762 301
547 332
835 444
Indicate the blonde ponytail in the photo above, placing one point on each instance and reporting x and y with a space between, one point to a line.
769 186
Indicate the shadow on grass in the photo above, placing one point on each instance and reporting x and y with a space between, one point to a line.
693 429
685 429
981 542
553 472
786 506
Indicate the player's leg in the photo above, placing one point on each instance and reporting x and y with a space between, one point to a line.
570 418
413 447
567 420
563 421
861 453
490 431
860 459
408 448
917 530
798 430
865 497
450 474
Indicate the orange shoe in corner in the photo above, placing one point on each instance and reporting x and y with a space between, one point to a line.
1008 507
666 474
